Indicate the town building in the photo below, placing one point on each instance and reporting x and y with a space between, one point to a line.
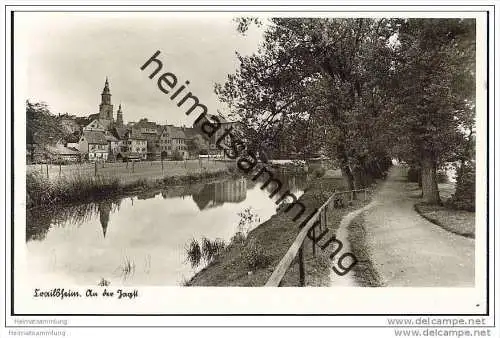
149 130
114 145
60 154
99 137
121 134
94 146
225 125
137 145
95 125
175 141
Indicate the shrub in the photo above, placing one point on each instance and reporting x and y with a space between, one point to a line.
238 238
177 156
319 172
464 197
255 256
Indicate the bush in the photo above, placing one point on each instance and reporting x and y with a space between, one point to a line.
177 156
238 238
255 256
318 172
465 193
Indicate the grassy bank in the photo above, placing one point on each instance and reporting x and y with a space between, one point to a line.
365 272
43 192
459 222
250 260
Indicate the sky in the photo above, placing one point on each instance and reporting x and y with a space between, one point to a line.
65 58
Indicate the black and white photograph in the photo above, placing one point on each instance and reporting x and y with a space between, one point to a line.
249 162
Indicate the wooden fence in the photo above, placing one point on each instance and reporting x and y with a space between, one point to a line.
297 248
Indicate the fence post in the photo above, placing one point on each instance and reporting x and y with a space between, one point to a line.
302 279
59 169
95 168
47 167
326 215
314 240
133 166
162 165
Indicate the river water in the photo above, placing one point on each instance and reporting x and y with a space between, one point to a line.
142 239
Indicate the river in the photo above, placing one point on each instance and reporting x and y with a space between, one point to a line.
142 239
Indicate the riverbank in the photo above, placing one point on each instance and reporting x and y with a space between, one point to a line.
250 261
44 192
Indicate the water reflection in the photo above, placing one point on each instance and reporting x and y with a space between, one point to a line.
145 234
216 194
38 222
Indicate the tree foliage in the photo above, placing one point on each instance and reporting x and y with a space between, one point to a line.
360 90
41 126
311 88
433 79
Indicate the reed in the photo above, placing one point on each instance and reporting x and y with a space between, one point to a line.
212 249
42 191
209 250
127 268
193 252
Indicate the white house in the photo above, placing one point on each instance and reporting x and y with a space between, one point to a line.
94 145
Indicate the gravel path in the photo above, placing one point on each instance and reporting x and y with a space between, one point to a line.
406 249
348 279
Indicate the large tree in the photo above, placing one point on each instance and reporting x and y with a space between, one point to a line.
316 81
433 94
42 126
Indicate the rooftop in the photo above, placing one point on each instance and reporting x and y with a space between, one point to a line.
95 137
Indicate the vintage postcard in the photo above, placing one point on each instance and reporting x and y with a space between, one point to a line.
220 161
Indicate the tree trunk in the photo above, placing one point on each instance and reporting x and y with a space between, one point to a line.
368 176
347 174
358 177
430 191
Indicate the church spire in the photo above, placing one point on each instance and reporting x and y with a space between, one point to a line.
106 87
119 116
106 108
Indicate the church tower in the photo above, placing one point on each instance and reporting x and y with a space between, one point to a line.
106 108
119 117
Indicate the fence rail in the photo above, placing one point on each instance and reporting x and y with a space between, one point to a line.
297 247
